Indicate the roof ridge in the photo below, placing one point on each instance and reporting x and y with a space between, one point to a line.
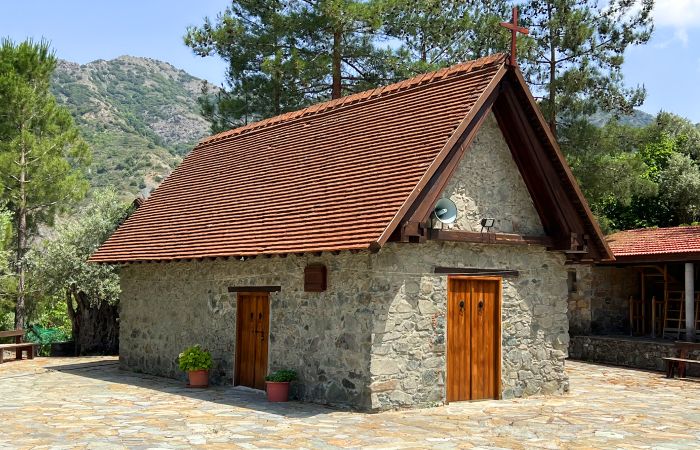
418 80
644 229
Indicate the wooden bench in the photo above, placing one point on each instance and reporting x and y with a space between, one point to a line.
18 346
677 363
682 360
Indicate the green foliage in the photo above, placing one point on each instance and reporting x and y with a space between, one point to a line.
45 337
60 264
578 53
636 119
284 54
259 41
61 280
608 163
194 358
439 33
638 177
282 376
679 187
34 125
49 312
8 281
41 152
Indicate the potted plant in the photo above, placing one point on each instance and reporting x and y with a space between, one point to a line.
196 362
277 385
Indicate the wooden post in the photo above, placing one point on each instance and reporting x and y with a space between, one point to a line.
644 301
689 302
631 308
653 316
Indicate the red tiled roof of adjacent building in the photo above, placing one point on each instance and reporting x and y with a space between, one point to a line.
330 177
655 241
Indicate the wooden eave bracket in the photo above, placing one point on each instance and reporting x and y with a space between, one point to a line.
415 232
577 245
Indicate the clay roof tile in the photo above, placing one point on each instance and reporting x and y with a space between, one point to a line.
655 241
328 177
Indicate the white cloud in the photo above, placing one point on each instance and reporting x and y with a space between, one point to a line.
681 35
680 15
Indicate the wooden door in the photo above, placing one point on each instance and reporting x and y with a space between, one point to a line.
473 338
252 330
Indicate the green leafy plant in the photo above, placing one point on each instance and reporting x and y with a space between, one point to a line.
194 358
282 376
45 337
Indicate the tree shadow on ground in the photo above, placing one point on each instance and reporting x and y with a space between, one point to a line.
237 397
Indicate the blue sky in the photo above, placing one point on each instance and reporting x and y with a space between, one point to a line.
82 31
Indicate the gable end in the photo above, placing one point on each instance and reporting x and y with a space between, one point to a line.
563 211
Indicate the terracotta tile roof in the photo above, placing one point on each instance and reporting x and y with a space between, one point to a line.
329 177
655 241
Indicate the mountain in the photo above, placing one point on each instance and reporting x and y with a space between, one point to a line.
139 116
636 119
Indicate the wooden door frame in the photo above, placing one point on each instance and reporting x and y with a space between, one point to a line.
499 347
237 350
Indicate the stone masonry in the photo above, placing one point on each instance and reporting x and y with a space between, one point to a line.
599 299
640 353
487 184
375 339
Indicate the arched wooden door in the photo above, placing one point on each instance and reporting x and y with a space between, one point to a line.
473 338
252 331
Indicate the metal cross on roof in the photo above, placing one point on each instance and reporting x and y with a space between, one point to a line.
514 30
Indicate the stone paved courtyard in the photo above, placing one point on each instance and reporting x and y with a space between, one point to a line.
89 403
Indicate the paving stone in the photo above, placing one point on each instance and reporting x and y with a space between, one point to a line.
57 403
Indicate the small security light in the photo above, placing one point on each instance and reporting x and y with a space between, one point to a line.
488 223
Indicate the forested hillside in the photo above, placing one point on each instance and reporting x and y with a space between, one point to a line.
138 115
636 119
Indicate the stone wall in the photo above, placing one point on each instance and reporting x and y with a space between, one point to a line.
487 183
580 292
375 339
325 337
408 340
599 304
629 352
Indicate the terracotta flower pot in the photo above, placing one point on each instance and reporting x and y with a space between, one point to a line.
277 391
198 378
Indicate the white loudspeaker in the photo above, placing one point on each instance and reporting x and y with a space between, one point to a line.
445 210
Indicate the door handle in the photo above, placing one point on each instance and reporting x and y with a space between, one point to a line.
481 304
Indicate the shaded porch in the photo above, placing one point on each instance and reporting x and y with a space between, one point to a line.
631 311
656 300
666 305
632 314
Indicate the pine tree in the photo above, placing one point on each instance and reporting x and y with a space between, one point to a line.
439 33
285 54
260 42
41 151
340 36
578 54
